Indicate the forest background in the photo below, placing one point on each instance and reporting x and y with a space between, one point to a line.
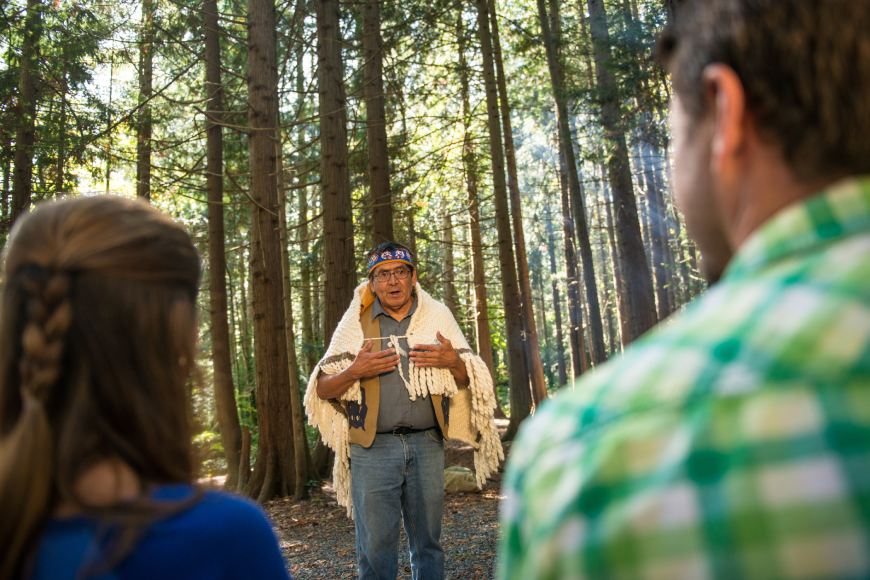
519 147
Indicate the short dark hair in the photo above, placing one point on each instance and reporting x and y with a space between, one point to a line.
805 68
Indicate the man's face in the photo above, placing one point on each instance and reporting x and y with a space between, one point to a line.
393 292
695 188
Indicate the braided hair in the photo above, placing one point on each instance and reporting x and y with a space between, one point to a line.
97 325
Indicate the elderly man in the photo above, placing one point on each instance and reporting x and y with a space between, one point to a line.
734 442
397 378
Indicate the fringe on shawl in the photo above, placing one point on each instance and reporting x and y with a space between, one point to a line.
346 342
489 452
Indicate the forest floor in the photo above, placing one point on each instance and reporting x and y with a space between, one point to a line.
317 538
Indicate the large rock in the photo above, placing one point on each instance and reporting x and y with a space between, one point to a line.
459 479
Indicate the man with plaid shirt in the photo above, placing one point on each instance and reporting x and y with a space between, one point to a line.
733 441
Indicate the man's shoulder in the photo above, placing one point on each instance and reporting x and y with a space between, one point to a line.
693 351
741 344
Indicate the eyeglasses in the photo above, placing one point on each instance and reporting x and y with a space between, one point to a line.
384 275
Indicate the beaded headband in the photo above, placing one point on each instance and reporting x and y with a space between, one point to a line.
395 255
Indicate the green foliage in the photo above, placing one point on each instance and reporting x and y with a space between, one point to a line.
89 47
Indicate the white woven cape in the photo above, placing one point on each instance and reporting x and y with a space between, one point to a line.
430 317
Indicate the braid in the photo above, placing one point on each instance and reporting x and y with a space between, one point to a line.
26 462
48 316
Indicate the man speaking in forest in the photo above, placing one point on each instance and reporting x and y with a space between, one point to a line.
397 378
734 442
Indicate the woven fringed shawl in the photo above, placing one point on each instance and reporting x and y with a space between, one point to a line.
430 317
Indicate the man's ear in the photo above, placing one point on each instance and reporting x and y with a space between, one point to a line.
728 107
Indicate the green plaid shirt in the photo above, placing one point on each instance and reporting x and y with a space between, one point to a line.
732 442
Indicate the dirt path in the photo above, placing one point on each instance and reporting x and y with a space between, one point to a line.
318 539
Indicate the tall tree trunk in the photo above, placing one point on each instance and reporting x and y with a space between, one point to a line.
658 232
608 291
537 272
247 339
551 33
521 395
224 391
60 165
615 260
451 299
6 194
579 364
338 254
317 298
469 165
639 302
337 226
557 298
670 223
301 458
240 367
297 420
412 230
108 149
309 355
144 121
533 349
273 473
376 123
25 135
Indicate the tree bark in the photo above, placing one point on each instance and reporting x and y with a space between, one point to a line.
338 256
25 135
309 354
658 232
532 346
144 120
557 298
376 124
469 165
521 395
60 165
6 195
550 34
537 272
451 300
108 149
224 391
615 261
273 473
638 301
608 289
300 442
579 363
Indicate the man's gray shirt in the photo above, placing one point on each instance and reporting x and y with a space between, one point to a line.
396 407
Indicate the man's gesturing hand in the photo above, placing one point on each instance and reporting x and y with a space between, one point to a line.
369 364
441 355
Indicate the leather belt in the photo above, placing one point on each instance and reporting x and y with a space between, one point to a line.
403 431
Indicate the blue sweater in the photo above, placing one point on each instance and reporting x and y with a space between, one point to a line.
219 537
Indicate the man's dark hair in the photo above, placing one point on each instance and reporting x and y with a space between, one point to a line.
805 68
390 246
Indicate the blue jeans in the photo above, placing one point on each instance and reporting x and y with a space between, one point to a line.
400 477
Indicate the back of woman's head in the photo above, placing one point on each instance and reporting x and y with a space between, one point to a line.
97 325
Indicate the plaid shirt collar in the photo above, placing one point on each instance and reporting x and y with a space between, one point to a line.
841 210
